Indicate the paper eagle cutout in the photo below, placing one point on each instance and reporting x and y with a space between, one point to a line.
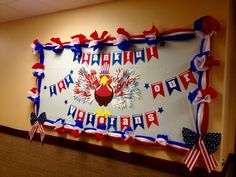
121 89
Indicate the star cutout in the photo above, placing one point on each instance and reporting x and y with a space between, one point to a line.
146 86
66 101
160 110
45 87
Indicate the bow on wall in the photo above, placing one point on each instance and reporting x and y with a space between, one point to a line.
37 123
204 145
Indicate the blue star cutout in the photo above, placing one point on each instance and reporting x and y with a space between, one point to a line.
66 101
45 87
160 110
146 86
71 72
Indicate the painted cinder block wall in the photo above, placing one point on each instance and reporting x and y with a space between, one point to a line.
16 57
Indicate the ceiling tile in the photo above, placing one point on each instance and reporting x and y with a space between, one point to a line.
17 9
10 13
6 1
32 7
66 4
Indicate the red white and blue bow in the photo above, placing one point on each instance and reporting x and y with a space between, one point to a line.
37 122
34 95
151 35
38 70
76 43
36 46
128 136
203 62
206 24
122 39
202 95
97 42
59 46
201 145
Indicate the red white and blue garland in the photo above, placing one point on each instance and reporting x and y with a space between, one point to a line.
198 144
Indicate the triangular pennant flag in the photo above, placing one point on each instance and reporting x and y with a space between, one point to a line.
112 122
151 52
157 88
72 110
139 55
95 59
186 78
124 122
86 57
151 118
128 57
172 84
138 121
116 57
61 85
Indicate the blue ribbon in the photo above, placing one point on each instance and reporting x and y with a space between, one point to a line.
192 95
34 100
79 123
57 50
38 74
76 48
150 41
124 45
99 46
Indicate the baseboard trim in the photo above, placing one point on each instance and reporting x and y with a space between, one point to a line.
134 158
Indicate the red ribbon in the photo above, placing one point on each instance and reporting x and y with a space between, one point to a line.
57 40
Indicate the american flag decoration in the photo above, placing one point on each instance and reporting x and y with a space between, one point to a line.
37 123
201 146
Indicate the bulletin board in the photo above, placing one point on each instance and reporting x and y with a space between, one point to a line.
151 88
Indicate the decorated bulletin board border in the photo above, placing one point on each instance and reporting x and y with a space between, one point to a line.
197 144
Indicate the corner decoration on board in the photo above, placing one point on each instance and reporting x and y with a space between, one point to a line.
126 88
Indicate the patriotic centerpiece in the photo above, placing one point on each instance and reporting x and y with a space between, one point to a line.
151 88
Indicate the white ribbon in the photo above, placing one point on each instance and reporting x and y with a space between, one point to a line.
162 141
58 124
207 38
199 99
199 63
120 38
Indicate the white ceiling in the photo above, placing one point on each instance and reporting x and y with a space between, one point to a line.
18 9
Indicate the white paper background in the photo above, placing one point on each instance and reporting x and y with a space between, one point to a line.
174 58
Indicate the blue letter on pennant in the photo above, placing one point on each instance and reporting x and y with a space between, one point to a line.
172 84
112 122
138 121
53 90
